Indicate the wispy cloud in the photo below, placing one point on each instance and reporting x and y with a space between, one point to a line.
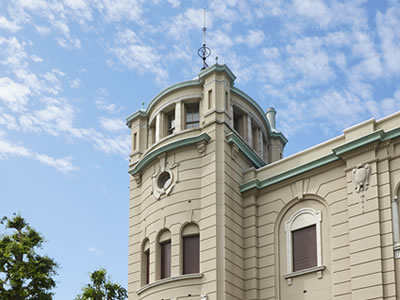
10 26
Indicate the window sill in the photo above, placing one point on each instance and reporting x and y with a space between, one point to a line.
317 270
169 279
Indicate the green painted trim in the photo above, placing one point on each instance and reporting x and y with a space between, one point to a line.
260 184
372 137
218 68
391 134
141 112
148 158
194 82
263 115
249 153
378 135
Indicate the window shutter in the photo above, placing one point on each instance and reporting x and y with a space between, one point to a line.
304 248
191 254
165 259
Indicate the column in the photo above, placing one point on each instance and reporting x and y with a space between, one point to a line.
178 116
158 127
249 132
260 143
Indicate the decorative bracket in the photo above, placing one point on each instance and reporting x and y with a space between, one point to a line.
360 176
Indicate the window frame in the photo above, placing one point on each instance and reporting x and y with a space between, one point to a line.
165 261
304 217
184 272
146 257
192 124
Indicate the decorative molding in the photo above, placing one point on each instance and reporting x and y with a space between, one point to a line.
317 270
149 157
138 178
235 150
201 147
169 279
234 139
304 217
360 176
165 178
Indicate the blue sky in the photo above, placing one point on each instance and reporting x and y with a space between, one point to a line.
71 71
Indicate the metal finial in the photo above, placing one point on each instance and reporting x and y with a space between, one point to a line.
142 105
216 60
204 51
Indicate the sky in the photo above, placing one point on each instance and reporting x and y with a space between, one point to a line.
71 71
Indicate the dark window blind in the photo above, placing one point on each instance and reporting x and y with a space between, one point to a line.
165 259
304 245
147 266
191 254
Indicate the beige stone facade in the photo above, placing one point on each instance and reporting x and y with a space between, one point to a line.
207 160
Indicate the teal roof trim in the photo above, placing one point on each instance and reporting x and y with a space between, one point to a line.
378 135
373 137
218 68
194 82
149 157
260 110
249 153
260 184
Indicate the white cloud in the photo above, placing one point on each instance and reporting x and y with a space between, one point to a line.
118 10
8 121
314 9
134 54
388 30
5 24
94 250
112 124
13 94
75 84
42 30
253 38
63 165
103 105
7 148
189 20
36 58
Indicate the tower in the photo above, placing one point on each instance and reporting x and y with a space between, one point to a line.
190 148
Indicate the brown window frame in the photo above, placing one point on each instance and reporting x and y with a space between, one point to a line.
190 112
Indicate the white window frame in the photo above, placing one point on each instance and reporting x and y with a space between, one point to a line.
300 219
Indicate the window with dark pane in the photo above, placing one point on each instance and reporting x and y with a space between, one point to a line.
304 248
147 266
192 115
191 254
171 122
165 254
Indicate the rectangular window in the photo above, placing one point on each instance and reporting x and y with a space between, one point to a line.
192 115
209 99
226 102
304 248
171 122
147 266
134 141
165 259
191 254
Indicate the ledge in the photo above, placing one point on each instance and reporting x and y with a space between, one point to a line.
169 279
149 157
234 138
317 269
396 249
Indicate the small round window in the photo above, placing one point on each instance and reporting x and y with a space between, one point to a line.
164 180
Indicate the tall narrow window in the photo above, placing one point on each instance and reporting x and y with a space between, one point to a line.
134 141
165 252
209 99
192 115
147 266
146 262
171 122
226 102
190 249
164 255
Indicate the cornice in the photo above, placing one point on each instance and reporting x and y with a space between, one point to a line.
149 157
345 151
234 139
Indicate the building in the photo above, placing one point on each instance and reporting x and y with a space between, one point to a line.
216 213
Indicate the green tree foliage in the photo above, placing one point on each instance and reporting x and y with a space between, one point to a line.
24 274
101 288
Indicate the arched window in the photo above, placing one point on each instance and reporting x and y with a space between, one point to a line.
303 239
164 242
146 262
190 249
